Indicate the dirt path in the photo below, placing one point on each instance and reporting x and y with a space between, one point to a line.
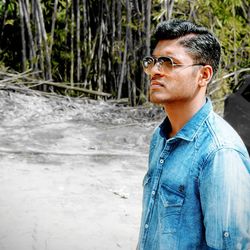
70 184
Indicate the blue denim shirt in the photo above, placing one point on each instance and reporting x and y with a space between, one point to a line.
197 187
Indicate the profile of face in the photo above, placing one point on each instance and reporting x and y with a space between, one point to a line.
174 76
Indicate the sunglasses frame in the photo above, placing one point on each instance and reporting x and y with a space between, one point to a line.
160 60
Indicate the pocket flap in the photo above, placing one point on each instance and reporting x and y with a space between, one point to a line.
171 197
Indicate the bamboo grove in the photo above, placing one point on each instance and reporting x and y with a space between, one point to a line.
98 44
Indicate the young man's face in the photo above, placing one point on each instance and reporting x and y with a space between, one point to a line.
177 84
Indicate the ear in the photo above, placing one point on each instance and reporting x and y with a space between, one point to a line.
206 74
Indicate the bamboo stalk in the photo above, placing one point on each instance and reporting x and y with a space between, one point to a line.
29 32
53 26
100 52
170 5
78 49
148 28
2 23
66 38
72 45
40 55
24 58
123 69
44 35
85 26
91 57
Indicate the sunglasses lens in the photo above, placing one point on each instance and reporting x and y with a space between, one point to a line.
166 62
163 63
148 63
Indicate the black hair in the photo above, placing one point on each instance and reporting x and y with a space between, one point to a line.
200 43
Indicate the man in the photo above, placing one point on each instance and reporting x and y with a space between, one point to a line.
197 187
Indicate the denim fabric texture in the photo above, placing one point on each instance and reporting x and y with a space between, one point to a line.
196 192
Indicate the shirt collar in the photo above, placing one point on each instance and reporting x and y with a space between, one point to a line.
188 132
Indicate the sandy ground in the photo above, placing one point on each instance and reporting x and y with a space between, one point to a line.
69 179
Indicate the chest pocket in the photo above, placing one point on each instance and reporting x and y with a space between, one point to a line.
170 206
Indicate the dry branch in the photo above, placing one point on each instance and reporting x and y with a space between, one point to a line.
231 74
64 85
12 77
26 80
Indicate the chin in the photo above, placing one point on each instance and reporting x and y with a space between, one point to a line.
158 99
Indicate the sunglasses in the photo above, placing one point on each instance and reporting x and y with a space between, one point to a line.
164 64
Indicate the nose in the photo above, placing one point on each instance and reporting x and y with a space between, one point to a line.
155 70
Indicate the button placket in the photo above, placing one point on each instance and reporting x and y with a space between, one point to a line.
154 190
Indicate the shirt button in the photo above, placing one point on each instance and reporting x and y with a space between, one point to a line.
153 193
226 234
146 226
161 161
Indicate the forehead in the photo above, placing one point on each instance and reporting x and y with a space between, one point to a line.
171 48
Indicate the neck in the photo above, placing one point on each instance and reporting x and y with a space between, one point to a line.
179 113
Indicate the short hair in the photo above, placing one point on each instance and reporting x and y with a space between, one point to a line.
200 43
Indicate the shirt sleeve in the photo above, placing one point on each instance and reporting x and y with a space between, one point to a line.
225 200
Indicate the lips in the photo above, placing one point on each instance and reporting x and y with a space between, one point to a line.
156 84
